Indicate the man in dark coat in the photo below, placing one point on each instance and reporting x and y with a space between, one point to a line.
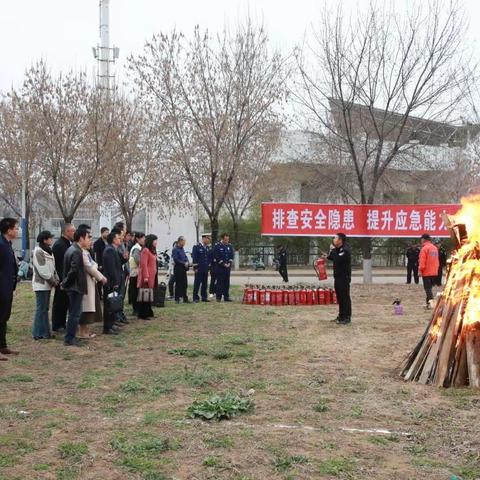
282 263
223 259
60 300
442 263
112 270
412 254
201 259
8 279
75 281
341 257
99 246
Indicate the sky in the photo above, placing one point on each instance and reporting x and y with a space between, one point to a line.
62 32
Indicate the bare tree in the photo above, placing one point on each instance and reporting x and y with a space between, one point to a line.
252 183
214 95
362 82
73 131
133 175
19 158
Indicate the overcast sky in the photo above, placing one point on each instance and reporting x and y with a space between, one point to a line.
63 31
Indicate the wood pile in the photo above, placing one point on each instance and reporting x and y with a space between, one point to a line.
448 353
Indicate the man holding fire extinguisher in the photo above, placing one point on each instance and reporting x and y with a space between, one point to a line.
341 257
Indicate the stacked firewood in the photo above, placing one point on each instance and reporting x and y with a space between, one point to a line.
448 354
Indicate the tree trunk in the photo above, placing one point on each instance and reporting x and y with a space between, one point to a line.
68 218
214 228
367 259
236 232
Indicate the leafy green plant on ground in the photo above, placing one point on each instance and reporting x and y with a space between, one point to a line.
283 464
220 407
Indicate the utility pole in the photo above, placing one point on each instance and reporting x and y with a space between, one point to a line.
24 221
105 54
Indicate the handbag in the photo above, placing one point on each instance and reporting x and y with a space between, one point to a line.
114 302
145 295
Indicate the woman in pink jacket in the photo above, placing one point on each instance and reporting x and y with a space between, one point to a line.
147 275
428 266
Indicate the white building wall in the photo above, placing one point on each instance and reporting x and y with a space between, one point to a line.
169 228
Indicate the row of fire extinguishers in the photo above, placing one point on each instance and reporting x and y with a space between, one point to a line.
277 296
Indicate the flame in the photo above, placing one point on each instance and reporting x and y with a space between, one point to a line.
462 288
469 215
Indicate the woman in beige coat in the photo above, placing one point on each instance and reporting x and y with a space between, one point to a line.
91 306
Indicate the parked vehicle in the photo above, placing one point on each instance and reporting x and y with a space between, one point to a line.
257 263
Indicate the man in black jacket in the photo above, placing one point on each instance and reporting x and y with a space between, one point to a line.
112 270
60 300
342 273
412 254
75 281
282 263
99 246
8 279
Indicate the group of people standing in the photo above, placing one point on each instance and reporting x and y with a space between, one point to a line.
91 280
428 261
216 261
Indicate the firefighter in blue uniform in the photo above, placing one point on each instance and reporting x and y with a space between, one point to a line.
202 260
223 259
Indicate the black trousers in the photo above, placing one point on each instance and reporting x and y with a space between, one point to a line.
59 309
132 292
5 312
200 283
282 270
181 282
222 285
171 285
342 289
108 318
428 283
412 268
438 280
213 282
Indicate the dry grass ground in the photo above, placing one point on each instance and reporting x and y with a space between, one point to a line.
117 408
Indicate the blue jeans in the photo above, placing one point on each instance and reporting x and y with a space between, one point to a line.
41 325
74 314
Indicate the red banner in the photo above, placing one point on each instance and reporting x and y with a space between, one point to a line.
321 220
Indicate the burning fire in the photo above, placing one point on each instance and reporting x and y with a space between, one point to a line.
448 354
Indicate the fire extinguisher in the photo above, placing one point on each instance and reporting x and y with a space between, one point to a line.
309 296
334 296
268 296
328 297
261 296
245 295
297 296
321 296
291 297
321 268
249 295
315 296
256 296
303 296
285 296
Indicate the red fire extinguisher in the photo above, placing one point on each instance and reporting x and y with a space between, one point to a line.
321 296
284 296
261 296
297 296
268 296
303 296
315 296
334 297
291 297
309 296
249 296
328 297
256 296
320 268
